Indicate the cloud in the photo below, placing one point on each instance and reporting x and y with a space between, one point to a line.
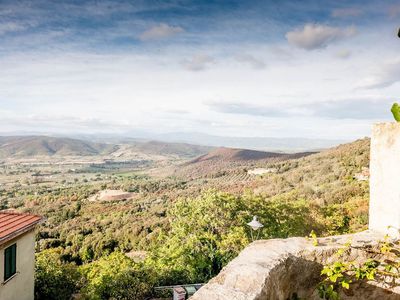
317 36
347 12
281 53
246 109
177 111
160 31
356 109
58 123
343 54
198 62
11 27
387 75
250 60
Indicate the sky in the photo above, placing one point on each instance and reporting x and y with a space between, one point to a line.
315 69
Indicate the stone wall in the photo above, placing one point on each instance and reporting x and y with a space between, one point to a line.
384 207
283 269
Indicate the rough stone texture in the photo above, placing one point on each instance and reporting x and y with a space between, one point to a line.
384 208
279 268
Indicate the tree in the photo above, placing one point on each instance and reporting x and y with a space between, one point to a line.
54 279
209 231
205 234
116 277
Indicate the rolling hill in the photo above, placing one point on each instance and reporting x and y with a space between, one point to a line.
235 155
35 146
181 150
228 159
30 146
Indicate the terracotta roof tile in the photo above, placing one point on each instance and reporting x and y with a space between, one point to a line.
13 224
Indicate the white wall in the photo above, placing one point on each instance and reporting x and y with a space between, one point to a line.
21 286
384 207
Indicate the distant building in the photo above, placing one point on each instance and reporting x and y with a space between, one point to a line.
261 171
111 195
17 255
363 175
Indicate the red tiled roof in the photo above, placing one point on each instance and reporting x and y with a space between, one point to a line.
13 224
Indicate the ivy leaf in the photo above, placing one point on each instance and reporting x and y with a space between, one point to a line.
371 275
396 111
345 284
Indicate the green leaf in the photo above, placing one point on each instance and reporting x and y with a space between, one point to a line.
371 276
345 284
396 111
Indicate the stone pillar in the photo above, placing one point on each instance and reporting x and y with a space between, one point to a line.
384 205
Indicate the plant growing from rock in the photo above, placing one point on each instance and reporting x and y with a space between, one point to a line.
396 111
313 237
383 269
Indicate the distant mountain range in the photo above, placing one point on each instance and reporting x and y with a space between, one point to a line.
32 146
287 145
185 145
284 144
28 146
183 150
254 143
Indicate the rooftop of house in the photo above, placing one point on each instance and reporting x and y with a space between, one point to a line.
13 224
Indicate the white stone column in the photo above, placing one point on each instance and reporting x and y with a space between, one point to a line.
384 205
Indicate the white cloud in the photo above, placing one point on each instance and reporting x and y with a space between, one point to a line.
198 62
317 36
252 61
90 78
344 54
362 108
105 92
160 31
385 76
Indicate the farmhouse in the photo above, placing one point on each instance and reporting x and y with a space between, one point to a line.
111 195
17 255
261 171
363 175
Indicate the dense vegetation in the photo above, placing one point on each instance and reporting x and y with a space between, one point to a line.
181 230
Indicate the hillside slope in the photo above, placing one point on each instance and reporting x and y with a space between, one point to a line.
230 159
182 150
235 155
29 146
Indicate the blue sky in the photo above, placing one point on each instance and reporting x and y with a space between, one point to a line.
237 68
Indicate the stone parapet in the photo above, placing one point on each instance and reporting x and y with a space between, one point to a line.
282 269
